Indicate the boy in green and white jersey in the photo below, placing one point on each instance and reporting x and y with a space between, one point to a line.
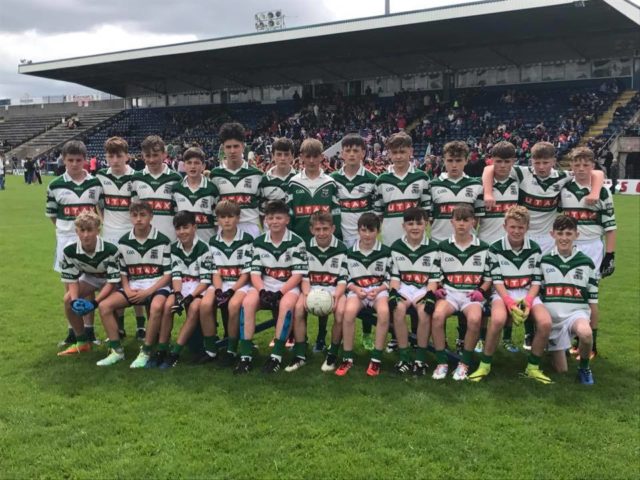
516 279
356 187
154 185
278 265
89 265
570 293
399 189
191 269
311 190
196 193
276 179
236 180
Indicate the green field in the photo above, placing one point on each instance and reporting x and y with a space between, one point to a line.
65 417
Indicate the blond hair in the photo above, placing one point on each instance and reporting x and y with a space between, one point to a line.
311 148
582 153
88 220
517 213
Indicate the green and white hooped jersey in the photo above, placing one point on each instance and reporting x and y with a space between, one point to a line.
242 186
394 195
116 199
369 269
491 221
593 220
230 260
356 196
306 196
200 201
275 187
540 196
445 194
519 269
149 260
102 263
464 269
277 263
193 266
569 284
415 266
327 266
157 191
66 199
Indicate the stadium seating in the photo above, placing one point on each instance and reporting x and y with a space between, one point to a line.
19 129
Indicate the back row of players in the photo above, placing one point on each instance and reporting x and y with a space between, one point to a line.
348 197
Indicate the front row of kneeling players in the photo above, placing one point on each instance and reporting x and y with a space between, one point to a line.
277 272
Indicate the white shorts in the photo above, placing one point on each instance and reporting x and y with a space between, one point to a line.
295 290
114 236
251 228
61 242
95 282
188 288
546 242
368 302
460 300
594 249
516 294
412 293
560 336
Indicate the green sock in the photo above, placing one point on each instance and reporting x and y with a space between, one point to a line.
177 349
376 355
81 339
232 345
467 355
483 333
147 348
405 354
421 355
441 356
246 346
506 334
115 345
163 347
210 343
322 328
584 362
300 349
120 322
534 360
333 348
279 347
347 355
529 326
140 321
595 335
486 359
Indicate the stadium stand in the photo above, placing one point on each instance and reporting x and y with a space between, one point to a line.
17 130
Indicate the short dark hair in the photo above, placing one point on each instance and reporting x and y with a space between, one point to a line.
115 145
456 148
320 217
353 140
504 150
369 221
153 143
74 147
193 152
140 206
184 218
415 214
276 206
462 211
399 140
564 222
227 208
282 144
231 131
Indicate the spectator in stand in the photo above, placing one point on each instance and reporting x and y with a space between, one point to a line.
93 165
613 173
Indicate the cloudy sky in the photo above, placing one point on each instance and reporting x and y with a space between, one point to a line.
40 30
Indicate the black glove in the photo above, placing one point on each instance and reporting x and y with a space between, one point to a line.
178 306
394 298
265 298
186 301
608 264
430 302
223 297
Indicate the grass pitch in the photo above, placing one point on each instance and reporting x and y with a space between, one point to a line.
65 417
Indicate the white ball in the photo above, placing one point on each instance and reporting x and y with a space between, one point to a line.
320 302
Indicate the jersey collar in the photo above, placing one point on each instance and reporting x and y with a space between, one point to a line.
361 172
303 175
474 241
238 236
332 244
99 247
181 247
165 169
67 178
507 246
287 236
272 173
376 246
153 234
445 176
203 182
555 252
127 171
411 170
425 241
244 165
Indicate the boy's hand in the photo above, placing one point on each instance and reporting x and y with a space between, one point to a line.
509 302
489 202
608 264
177 306
476 296
371 294
361 293
440 294
592 198
137 296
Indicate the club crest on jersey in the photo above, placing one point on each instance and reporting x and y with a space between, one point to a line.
168 188
578 274
92 194
477 261
513 189
379 266
426 262
415 189
205 203
468 192
361 189
247 183
335 263
153 254
532 263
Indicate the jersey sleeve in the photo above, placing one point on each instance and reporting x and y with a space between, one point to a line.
166 260
70 272
335 210
496 271
395 272
343 276
299 264
247 255
488 264
51 210
425 197
255 265
378 207
536 275
435 275
478 203
608 218
177 267
113 268
592 287
205 264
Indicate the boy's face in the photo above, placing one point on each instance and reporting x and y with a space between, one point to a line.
454 165
515 230
367 237
186 233
502 167
564 239
228 223
117 160
233 150
88 237
154 159
283 158
462 226
311 162
542 166
74 163
401 156
194 167
415 229
322 231
141 219
582 169
352 155
277 222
